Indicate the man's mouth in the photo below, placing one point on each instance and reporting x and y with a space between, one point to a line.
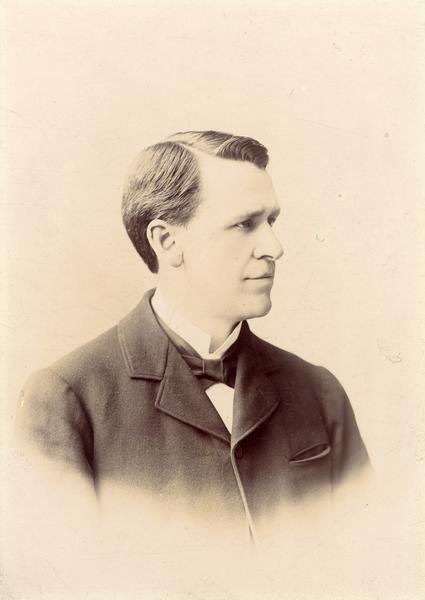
262 279
267 275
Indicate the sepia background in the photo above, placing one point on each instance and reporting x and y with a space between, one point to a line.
334 89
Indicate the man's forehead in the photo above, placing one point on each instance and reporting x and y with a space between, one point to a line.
237 181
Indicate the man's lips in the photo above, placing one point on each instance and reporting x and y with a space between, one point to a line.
265 276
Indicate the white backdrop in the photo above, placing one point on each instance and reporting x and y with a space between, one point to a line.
335 90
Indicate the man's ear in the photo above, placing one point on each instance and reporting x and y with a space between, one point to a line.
162 239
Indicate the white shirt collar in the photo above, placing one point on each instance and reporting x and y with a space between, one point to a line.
197 338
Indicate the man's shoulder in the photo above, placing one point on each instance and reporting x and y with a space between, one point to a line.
100 361
101 352
97 357
299 373
279 359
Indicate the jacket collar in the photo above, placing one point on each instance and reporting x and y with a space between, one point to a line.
148 354
143 342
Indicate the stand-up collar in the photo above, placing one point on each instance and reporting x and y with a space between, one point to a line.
198 339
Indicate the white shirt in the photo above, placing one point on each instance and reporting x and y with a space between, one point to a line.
220 394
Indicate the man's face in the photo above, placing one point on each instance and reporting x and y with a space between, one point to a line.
229 247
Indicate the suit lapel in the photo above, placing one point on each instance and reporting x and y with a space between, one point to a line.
181 396
255 397
148 354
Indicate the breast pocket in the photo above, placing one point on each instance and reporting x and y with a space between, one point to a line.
311 454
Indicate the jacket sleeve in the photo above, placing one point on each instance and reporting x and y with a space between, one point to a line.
349 454
54 513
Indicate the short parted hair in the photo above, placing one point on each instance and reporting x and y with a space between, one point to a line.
165 181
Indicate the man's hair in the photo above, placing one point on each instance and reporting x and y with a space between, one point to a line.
165 181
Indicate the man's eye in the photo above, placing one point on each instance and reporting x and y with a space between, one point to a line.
244 224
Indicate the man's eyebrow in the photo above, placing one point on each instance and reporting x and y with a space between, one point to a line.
255 213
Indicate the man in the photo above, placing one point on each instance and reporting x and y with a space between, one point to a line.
180 414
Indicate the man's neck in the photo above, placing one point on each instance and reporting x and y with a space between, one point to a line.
218 329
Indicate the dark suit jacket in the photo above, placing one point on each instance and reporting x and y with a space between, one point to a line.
126 409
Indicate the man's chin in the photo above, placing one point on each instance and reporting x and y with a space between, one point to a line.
258 308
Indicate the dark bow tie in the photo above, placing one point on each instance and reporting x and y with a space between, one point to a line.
208 371
211 371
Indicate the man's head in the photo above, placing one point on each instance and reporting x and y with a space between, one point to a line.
200 206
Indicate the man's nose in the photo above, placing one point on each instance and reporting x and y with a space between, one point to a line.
268 245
